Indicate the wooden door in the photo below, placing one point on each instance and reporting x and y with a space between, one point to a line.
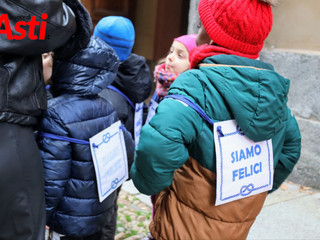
102 8
170 20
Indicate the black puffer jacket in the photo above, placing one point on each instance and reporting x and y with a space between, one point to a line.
76 111
22 92
134 80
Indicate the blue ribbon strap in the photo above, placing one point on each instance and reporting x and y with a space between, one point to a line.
193 105
69 139
122 94
63 138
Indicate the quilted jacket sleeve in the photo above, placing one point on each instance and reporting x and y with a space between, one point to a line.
290 152
56 157
163 146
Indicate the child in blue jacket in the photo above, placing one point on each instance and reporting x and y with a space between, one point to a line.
131 86
77 112
133 82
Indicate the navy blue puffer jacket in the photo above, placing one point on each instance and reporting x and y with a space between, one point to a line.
134 80
76 111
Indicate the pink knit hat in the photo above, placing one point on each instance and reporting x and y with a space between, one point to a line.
189 41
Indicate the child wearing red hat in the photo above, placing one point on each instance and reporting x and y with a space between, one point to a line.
179 157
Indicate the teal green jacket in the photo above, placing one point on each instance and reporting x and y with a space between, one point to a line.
225 87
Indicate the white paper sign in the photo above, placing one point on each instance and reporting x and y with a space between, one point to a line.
152 110
244 167
138 118
51 235
109 156
55 236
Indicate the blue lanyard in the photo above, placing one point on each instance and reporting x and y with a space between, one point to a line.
63 138
67 139
122 94
193 105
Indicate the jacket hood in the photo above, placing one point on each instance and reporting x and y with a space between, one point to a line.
254 93
134 78
87 72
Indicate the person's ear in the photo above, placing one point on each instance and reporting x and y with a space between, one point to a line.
203 37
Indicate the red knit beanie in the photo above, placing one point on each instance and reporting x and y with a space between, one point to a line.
238 25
